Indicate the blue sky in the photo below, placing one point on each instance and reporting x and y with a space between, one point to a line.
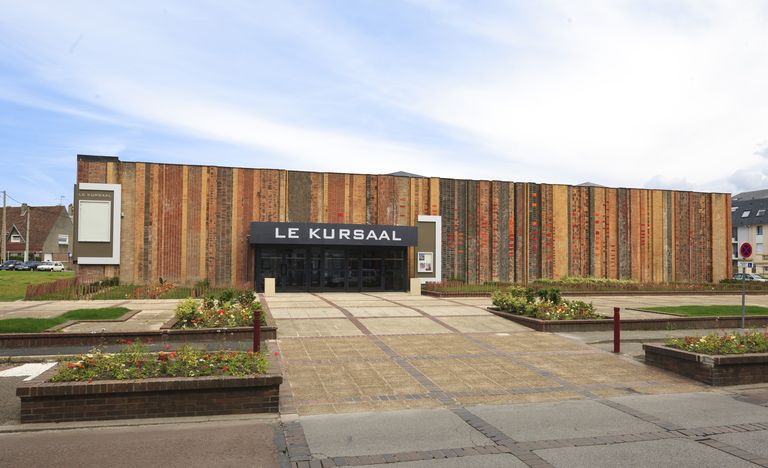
663 94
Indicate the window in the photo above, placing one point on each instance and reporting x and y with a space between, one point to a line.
15 238
734 208
760 212
94 222
759 230
745 214
760 249
63 239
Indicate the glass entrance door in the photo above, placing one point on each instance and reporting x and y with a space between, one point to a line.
326 268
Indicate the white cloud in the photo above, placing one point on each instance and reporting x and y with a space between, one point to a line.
656 94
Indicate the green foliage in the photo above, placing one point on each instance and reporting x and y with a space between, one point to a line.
546 304
752 341
36 325
134 361
231 309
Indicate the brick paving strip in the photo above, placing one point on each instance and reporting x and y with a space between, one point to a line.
300 454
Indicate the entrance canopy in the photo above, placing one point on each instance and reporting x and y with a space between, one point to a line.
332 257
333 234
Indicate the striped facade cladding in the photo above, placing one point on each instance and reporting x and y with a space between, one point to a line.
188 223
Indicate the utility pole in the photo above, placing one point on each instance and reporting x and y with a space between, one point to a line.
4 231
25 208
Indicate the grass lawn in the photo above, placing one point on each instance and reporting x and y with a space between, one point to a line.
711 310
13 284
123 291
34 325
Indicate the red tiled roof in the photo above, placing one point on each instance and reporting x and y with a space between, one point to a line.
41 221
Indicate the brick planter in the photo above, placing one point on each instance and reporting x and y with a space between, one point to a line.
730 369
662 323
43 401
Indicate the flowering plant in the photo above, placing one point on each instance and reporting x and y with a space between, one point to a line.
135 361
228 310
752 341
544 304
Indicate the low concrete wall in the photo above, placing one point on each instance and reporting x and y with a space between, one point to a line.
43 401
665 323
731 369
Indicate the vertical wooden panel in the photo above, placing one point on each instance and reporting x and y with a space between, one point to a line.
560 230
128 224
546 230
657 234
611 228
237 214
359 203
299 196
203 270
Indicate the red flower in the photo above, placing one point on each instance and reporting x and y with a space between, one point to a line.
129 342
276 353
70 365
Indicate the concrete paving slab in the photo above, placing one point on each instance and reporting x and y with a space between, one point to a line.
184 445
316 327
753 442
298 304
482 324
450 310
437 346
369 302
392 432
402 326
561 420
313 312
681 453
697 409
502 460
393 311
472 301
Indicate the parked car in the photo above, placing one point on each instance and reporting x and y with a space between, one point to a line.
9 265
749 277
27 266
51 266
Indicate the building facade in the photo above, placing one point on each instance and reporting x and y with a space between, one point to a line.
50 233
749 221
187 223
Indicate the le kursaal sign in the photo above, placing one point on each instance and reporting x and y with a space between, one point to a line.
332 234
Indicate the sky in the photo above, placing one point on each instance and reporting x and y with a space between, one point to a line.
653 93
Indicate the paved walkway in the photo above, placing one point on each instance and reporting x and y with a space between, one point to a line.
153 313
388 351
375 379
390 379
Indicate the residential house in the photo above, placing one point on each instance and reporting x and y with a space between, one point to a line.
749 221
50 233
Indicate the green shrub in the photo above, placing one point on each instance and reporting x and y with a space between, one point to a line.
237 310
546 304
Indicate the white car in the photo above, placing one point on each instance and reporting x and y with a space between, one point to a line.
50 266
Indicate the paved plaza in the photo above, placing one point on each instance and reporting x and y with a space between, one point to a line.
392 379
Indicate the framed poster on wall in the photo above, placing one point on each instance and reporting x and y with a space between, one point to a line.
425 262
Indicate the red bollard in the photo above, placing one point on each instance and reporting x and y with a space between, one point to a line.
616 330
257 331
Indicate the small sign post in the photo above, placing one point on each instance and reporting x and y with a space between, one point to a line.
746 251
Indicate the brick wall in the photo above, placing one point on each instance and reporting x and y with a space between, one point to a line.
152 398
188 223
713 370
